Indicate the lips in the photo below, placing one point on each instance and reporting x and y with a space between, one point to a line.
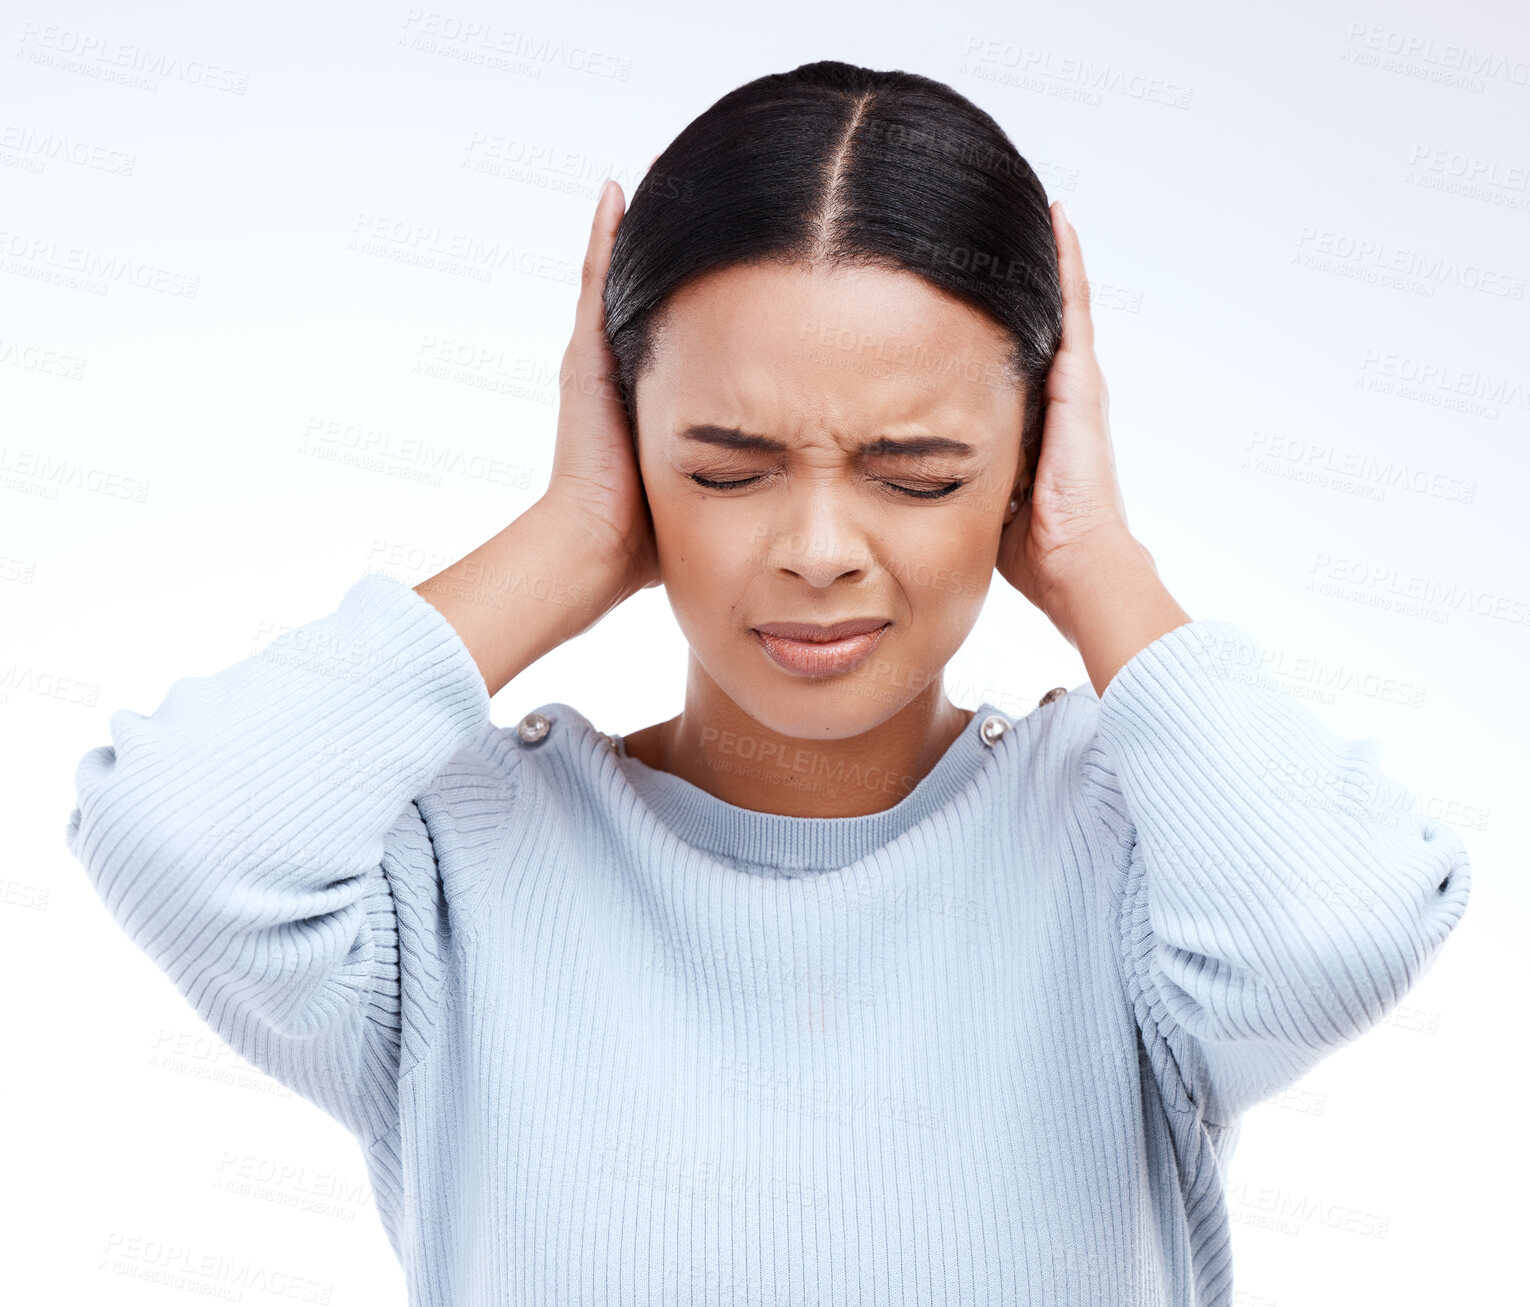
817 649
819 633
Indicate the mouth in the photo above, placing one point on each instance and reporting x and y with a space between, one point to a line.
814 649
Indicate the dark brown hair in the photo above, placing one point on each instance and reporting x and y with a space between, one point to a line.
833 164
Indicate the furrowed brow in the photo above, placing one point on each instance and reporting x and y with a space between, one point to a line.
882 446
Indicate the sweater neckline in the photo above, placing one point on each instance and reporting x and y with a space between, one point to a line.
774 843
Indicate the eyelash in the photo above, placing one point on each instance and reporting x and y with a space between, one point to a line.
944 490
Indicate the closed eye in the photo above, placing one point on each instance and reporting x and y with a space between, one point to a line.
914 492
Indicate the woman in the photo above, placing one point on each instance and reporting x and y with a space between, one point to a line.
823 989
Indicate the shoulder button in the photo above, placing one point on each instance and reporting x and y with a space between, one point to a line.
533 728
1056 692
994 725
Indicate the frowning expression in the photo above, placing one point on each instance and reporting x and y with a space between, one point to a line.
822 448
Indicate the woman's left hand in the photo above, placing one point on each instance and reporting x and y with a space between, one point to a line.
1074 518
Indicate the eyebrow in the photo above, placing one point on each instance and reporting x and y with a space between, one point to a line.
732 438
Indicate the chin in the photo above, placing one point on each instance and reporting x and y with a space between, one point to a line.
828 708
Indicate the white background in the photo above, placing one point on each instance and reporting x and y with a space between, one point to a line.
1276 208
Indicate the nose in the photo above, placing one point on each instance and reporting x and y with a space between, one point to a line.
819 542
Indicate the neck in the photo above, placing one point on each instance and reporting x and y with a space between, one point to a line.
720 748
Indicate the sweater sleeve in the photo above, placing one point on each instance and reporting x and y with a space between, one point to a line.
1279 894
255 834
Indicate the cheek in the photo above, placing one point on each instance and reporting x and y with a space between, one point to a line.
946 565
953 537
705 563
688 538
675 527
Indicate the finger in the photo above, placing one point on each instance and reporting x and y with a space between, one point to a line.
590 314
1078 326
588 364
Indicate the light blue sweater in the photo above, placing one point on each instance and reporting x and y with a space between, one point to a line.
605 1038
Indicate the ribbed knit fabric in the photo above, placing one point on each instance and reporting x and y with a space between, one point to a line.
605 1038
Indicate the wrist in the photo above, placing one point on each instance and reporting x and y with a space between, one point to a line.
594 557
518 596
1110 569
574 553
1112 605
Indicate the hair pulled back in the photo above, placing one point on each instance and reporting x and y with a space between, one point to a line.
835 165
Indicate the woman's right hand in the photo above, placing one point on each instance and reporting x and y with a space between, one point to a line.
596 489
588 543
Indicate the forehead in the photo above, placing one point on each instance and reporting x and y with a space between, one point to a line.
852 348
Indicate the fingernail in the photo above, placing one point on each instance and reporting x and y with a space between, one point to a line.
605 190
1062 208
